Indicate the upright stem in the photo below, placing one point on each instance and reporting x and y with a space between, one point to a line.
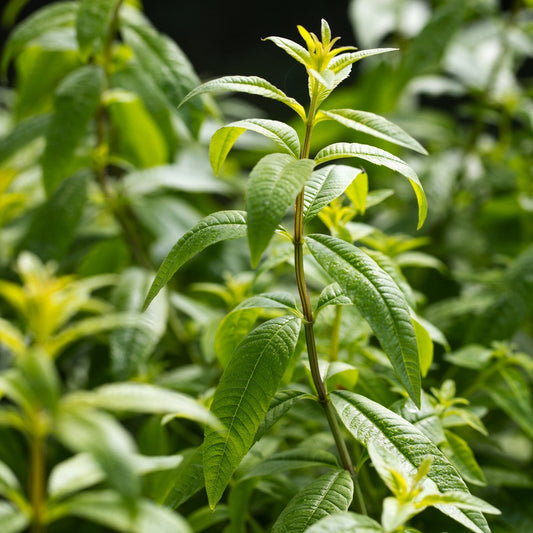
307 308
37 479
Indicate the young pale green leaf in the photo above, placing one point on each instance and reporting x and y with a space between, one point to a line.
243 397
22 134
224 138
81 471
13 520
370 422
54 16
292 459
55 222
11 337
93 25
295 50
107 508
378 157
342 61
8 481
346 522
220 226
357 193
281 403
145 398
378 299
273 186
373 124
328 494
248 85
461 455
326 184
425 346
76 101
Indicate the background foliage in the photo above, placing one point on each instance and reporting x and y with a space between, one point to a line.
103 406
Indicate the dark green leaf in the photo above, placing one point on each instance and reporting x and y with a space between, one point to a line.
93 25
23 134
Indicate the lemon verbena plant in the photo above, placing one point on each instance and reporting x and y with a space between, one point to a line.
249 397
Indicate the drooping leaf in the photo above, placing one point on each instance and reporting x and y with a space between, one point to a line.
378 299
216 227
461 455
378 157
54 224
328 494
246 84
292 459
22 134
93 25
375 125
347 522
273 186
326 184
243 397
76 101
105 507
295 50
370 422
48 18
224 138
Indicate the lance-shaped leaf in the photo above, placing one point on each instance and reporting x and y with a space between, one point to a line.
332 295
330 493
76 101
23 134
295 50
378 299
243 397
324 185
274 184
220 226
370 422
375 125
223 140
342 61
346 522
378 157
93 24
247 84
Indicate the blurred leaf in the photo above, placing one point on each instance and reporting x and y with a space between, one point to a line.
12 519
346 522
461 455
22 135
328 494
93 25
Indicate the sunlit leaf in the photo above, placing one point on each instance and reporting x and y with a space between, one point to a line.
12 518
342 61
346 522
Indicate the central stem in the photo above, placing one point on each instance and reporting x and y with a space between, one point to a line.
305 300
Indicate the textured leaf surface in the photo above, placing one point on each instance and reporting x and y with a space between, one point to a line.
216 227
370 422
332 295
92 24
375 125
346 522
378 299
342 61
224 138
381 158
273 186
243 397
326 495
249 85
324 185
76 101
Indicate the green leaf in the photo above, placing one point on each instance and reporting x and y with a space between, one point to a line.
326 184
378 299
221 226
292 459
461 455
81 471
22 134
248 85
224 138
332 295
273 186
378 157
76 101
425 347
346 522
370 422
243 397
342 61
48 18
8 481
328 494
205 517
105 507
93 25
375 125
55 223
12 518
11 337
295 50
145 398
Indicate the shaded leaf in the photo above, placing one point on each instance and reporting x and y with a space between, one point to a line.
93 25
22 134
346 522
332 295
461 455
